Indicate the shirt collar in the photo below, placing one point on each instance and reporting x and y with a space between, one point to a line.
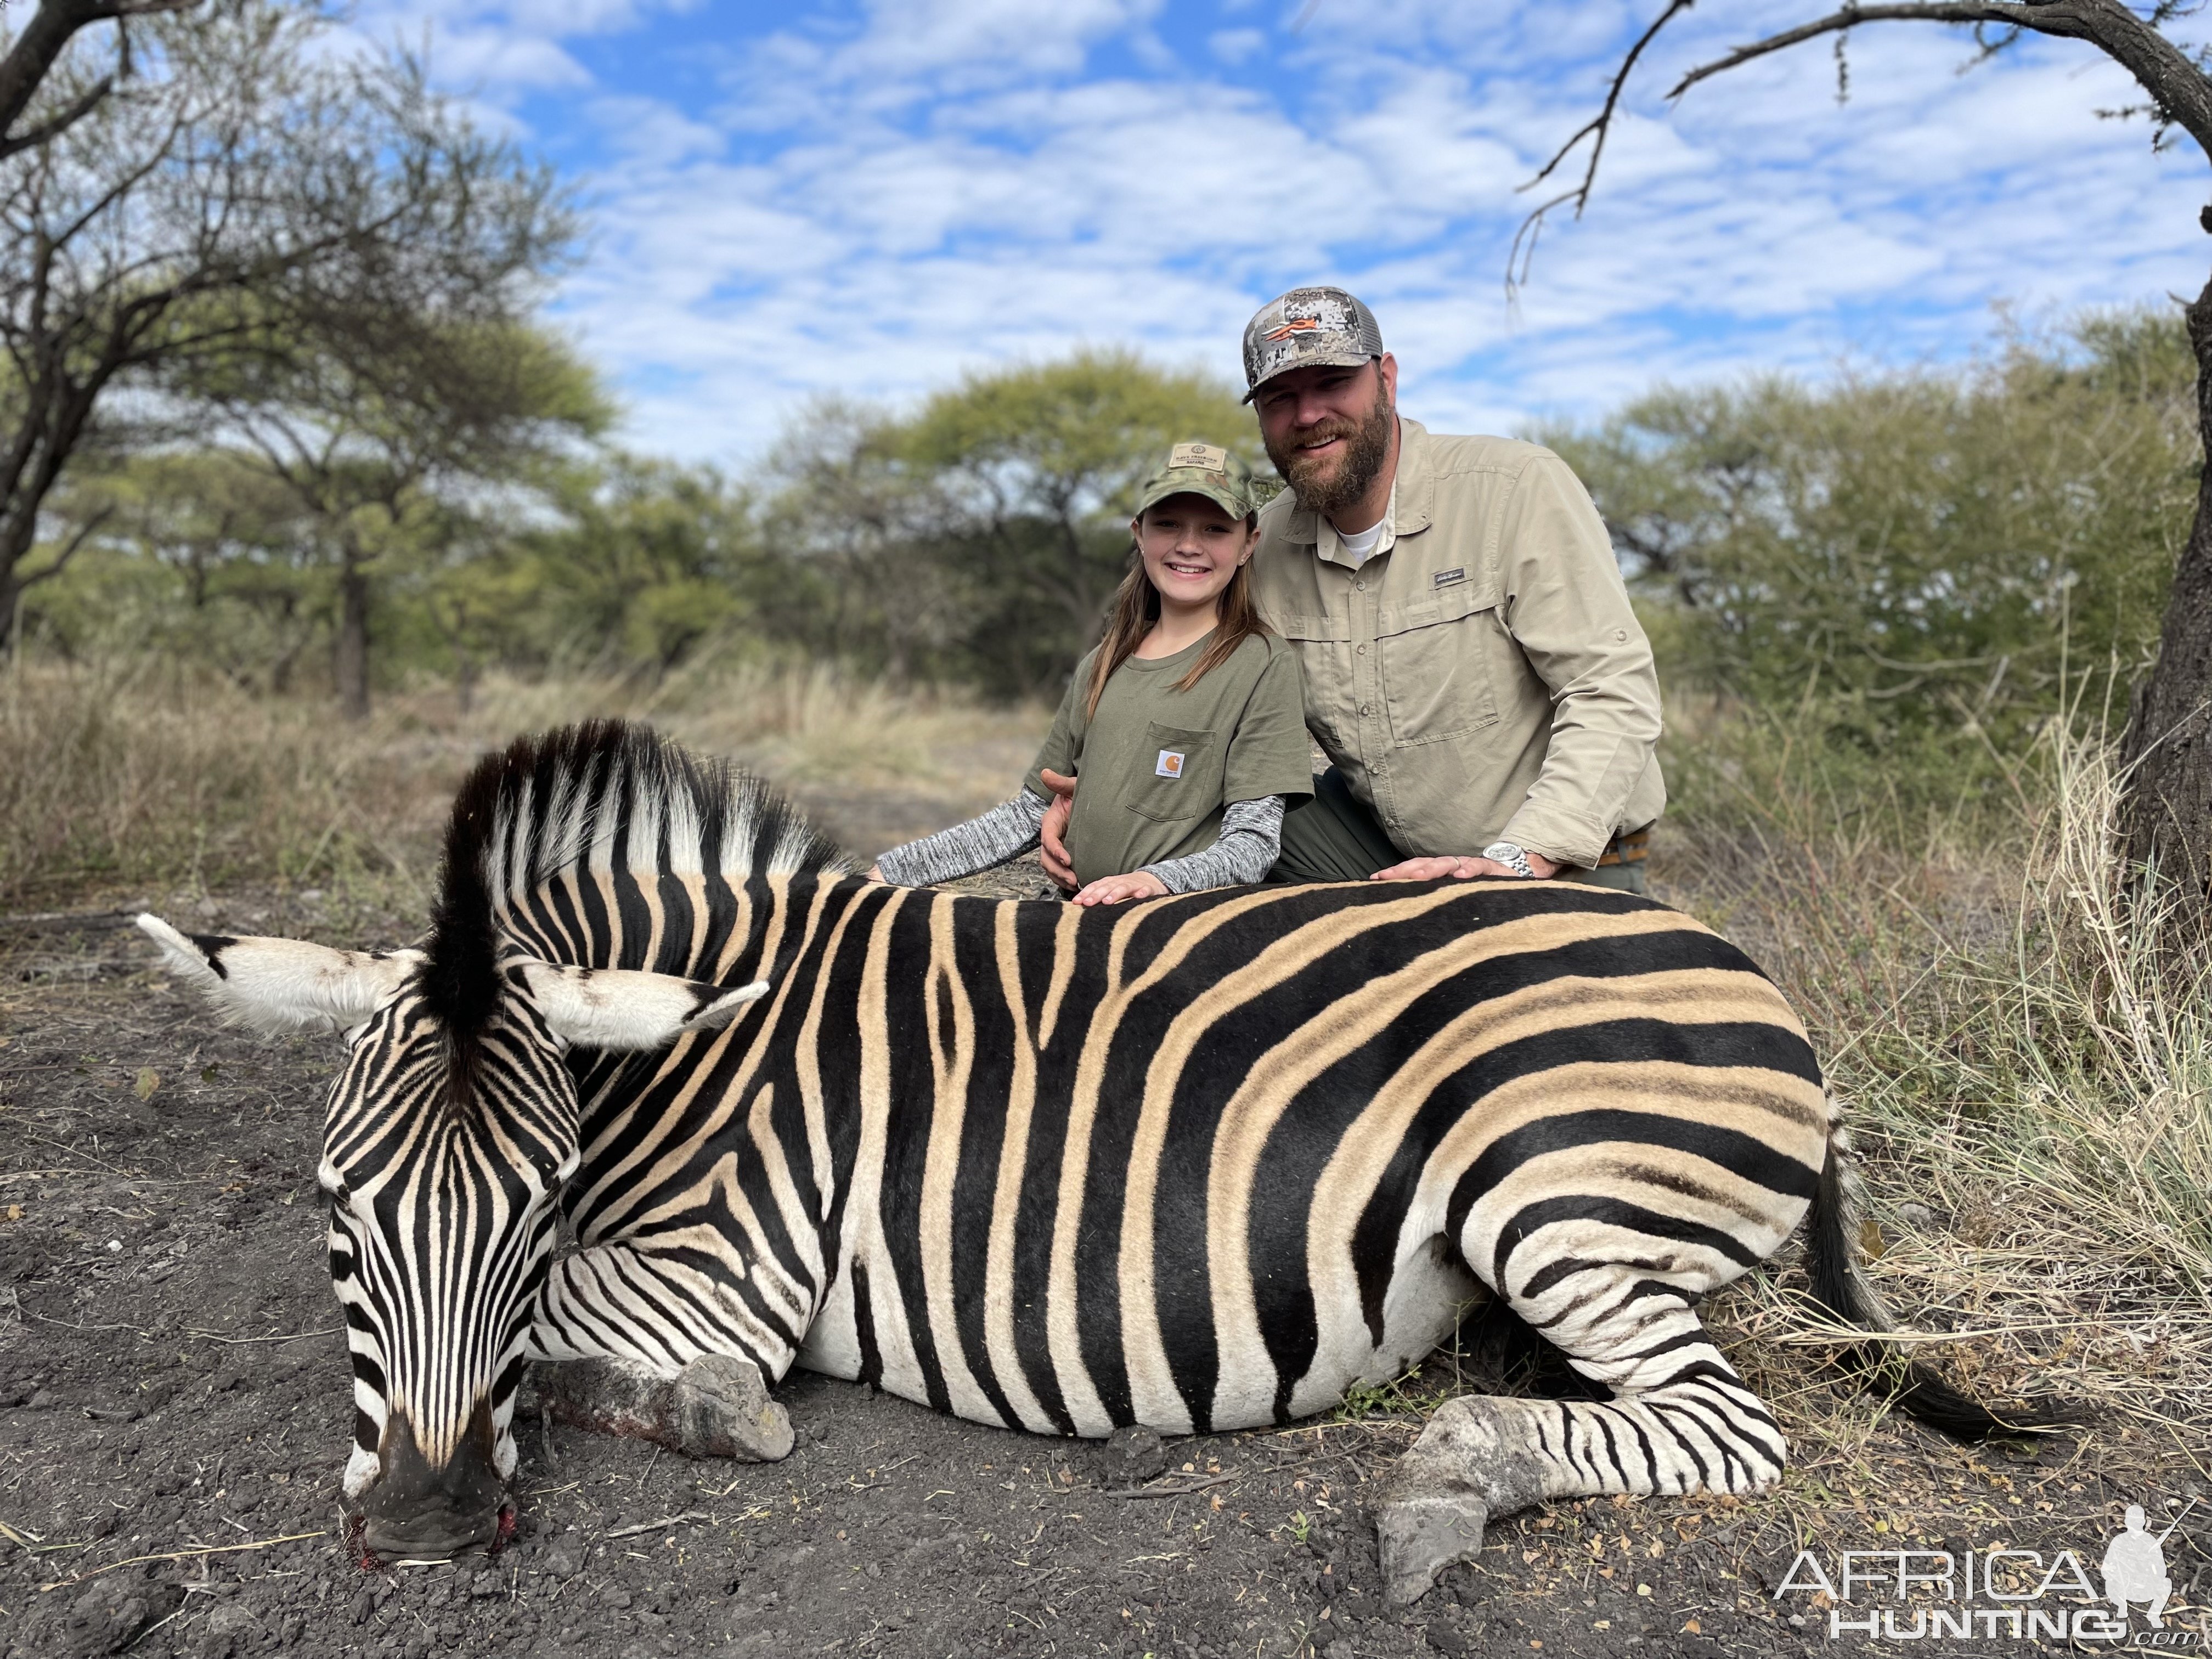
1412 496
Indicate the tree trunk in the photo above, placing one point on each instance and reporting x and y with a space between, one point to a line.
11 602
351 653
2165 814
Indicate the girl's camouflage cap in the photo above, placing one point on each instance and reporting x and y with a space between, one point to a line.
1207 470
1307 327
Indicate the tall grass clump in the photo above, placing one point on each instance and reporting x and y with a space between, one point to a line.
116 776
2021 1041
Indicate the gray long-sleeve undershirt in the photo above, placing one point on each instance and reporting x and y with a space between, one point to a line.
1251 837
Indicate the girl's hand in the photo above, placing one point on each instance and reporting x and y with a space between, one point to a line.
876 874
1112 890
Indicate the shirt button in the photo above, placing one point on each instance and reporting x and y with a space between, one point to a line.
1362 650
1362 587
1366 708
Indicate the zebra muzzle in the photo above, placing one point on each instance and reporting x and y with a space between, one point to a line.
418 1511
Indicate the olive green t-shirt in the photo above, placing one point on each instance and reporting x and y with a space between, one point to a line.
1158 765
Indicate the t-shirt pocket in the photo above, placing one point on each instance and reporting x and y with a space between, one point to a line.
1436 675
1185 774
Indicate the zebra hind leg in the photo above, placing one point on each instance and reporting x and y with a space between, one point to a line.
1680 1419
716 1407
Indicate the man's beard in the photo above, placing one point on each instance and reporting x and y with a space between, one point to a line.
1367 446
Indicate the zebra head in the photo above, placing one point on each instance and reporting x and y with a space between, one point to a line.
449 1131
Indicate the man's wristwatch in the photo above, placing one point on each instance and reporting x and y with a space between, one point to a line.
1513 858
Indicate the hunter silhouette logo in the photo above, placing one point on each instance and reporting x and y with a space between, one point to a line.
2135 1566
1999 1594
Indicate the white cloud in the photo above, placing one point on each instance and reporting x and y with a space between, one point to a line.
884 195
1233 47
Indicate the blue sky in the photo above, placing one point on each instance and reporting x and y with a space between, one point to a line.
868 197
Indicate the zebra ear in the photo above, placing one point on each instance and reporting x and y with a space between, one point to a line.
620 1008
281 985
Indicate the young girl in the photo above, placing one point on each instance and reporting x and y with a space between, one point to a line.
1187 725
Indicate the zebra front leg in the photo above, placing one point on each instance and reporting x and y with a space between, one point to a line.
1682 1420
632 1345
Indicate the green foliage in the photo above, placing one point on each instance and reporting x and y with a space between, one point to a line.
1036 469
1919 556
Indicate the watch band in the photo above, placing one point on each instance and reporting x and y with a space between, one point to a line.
1513 858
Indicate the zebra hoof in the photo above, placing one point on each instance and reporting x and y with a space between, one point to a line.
1421 1534
722 1409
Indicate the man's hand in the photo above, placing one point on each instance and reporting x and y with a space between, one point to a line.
1112 890
1463 869
1053 836
876 874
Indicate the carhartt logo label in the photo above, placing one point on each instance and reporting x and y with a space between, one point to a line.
1204 456
2000 1594
1169 764
1446 578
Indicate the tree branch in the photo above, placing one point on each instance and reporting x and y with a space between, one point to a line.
2180 92
85 533
2058 17
1597 130
35 51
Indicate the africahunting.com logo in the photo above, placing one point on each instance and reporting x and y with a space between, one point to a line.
2000 1593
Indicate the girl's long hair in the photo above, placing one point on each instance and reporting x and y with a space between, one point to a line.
1136 607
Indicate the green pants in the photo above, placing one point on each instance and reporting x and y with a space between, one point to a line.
1333 837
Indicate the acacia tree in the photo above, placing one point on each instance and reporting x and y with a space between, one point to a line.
250 183
374 433
2167 812
1043 461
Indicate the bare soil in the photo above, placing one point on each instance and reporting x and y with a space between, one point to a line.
174 1409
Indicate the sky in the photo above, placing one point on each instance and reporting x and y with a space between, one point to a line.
870 197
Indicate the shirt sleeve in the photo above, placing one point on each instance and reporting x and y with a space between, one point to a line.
1006 829
1567 608
1269 753
1250 839
1063 745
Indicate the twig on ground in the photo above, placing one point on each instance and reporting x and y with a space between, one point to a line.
1182 1489
686 1519
181 1555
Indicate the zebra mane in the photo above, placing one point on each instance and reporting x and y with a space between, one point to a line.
600 795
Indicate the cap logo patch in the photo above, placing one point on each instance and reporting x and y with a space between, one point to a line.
1206 456
1169 765
1296 326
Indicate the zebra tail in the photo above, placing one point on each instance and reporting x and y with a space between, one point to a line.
1838 1287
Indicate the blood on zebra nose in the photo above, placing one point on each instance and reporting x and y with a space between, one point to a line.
415 1511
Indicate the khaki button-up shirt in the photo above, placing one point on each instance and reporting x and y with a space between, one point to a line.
1482 676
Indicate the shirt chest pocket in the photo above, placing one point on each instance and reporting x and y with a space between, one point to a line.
1179 776
1437 672
1323 645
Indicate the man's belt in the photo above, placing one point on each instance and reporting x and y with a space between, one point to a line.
1628 846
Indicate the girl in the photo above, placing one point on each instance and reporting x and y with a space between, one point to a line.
1187 725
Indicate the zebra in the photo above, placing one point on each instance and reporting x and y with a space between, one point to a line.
670 1100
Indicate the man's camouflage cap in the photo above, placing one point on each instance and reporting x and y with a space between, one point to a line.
1201 469
1309 327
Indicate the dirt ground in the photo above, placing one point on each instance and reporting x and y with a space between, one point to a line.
174 1409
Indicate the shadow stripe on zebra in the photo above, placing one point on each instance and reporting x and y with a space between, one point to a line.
670 1100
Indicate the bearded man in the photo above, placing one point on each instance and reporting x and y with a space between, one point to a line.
1484 692
1473 671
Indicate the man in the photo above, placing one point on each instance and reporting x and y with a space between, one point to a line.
1473 671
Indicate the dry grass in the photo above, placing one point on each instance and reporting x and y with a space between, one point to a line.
122 778
2029 1080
